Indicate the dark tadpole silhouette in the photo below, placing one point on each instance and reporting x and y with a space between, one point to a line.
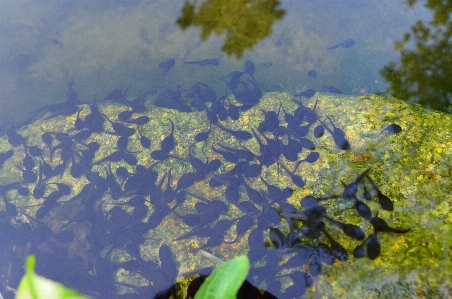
144 141
211 116
249 67
362 209
227 155
233 111
266 157
241 153
125 115
350 230
168 142
391 129
331 89
239 168
239 134
47 139
168 264
254 170
312 73
243 225
94 121
311 158
253 194
366 194
14 138
250 93
280 241
373 247
352 188
166 65
338 136
270 122
319 131
79 125
309 93
297 180
198 231
203 136
203 62
384 201
291 150
381 225
172 100
137 104
345 44
141 120
274 146
309 201
203 93
117 95
120 129
28 175
195 162
337 250
115 156
60 109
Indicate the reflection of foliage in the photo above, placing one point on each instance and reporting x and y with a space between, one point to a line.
246 21
424 73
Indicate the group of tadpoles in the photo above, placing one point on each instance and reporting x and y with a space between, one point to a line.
152 195
313 225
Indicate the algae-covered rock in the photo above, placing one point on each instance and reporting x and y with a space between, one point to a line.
411 167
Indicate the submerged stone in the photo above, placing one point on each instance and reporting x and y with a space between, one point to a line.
409 168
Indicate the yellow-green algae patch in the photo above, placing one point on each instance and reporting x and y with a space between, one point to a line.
413 168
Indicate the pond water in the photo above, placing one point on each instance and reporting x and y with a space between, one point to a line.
138 134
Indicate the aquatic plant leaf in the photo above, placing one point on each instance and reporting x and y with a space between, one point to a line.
33 286
226 280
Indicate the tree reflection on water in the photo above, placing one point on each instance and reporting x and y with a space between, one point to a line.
424 71
245 22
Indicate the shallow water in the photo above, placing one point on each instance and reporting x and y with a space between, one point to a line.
103 46
87 51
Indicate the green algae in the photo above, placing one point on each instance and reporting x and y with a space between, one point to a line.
412 168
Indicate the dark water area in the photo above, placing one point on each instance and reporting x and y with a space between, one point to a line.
135 135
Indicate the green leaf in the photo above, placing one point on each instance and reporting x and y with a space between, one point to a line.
33 286
226 280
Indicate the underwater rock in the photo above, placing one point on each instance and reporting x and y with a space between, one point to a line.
173 201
